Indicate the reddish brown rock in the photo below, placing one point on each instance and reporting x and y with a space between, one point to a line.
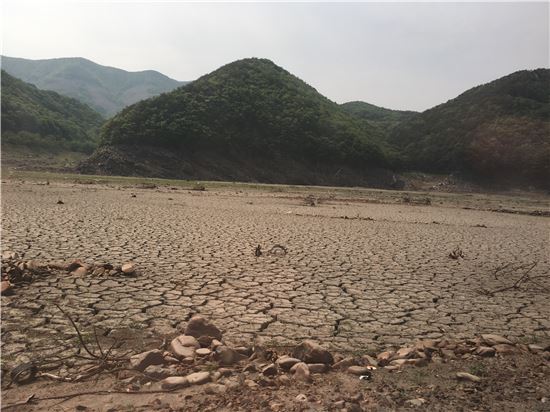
199 326
311 352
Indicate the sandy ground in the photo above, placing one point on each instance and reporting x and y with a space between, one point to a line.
362 271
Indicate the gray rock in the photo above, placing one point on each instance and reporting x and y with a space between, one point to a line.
311 352
143 360
156 372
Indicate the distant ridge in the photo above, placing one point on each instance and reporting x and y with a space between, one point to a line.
105 89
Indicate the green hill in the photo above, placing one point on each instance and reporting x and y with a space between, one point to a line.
44 119
249 113
497 131
105 89
378 116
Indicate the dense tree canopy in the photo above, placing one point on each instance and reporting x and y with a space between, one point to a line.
250 106
35 117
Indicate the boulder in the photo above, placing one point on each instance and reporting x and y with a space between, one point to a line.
142 360
199 326
311 352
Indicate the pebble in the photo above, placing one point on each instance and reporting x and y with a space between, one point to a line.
174 382
286 362
468 377
128 268
142 360
202 352
198 378
359 370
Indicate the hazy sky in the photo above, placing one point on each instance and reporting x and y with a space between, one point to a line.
397 55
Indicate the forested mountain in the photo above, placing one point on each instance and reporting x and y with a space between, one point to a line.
249 112
45 119
105 89
500 130
376 115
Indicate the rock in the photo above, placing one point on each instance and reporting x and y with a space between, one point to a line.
505 349
227 356
448 354
344 363
202 352
270 370
250 383
301 398
492 340
404 353
317 367
311 352
283 380
156 372
359 370
5 288
339 404
370 360
535 348
225 371
190 341
485 351
243 350
205 341
142 360
215 389
174 382
215 343
9 255
416 402
384 358
80 271
286 362
301 372
464 376
128 268
398 362
199 326
181 351
198 378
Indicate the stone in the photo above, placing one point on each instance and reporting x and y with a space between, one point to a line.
398 362
205 341
286 362
448 354
341 404
311 352
190 341
227 356
215 343
80 271
283 380
9 255
180 351
198 378
243 350
5 288
128 268
202 352
485 351
215 389
317 367
250 383
142 360
370 360
270 370
416 402
344 363
535 348
301 397
174 382
301 372
492 340
464 376
156 372
199 326
505 349
404 353
359 370
384 358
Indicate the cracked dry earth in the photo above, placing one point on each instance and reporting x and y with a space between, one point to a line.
357 275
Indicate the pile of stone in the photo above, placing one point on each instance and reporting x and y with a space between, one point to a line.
16 270
200 356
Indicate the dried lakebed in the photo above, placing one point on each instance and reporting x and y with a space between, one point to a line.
357 275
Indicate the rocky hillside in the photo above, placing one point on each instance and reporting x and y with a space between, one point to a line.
499 131
249 120
105 89
39 119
